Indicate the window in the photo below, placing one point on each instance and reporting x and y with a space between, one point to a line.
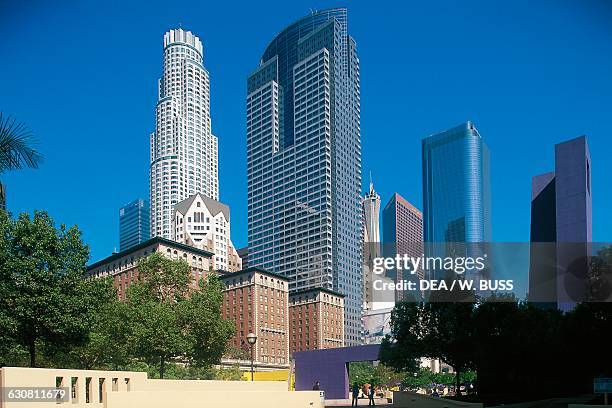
74 386
87 390
101 389
59 383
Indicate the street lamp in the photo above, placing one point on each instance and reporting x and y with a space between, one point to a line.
252 339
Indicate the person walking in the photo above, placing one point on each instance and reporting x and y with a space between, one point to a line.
316 386
355 392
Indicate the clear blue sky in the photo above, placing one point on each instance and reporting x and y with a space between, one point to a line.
83 74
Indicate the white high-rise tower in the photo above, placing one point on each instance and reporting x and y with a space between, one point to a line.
371 243
183 149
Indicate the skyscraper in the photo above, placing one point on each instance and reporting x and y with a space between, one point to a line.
561 213
133 224
456 186
402 234
304 160
371 242
371 217
183 149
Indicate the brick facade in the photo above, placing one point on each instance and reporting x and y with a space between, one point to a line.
316 320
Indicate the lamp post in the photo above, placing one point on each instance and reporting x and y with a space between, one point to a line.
252 339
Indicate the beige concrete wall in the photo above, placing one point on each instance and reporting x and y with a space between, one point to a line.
205 385
411 399
17 377
139 391
226 399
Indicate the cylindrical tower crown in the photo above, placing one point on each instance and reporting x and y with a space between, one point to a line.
184 37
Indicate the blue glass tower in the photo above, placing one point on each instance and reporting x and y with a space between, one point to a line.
133 224
304 160
456 187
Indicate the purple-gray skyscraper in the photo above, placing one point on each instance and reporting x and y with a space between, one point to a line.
561 213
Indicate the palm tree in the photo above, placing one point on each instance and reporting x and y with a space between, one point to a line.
15 149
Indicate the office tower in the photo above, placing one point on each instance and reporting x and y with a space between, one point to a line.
456 187
204 223
257 301
371 242
183 149
304 160
371 216
133 224
561 213
402 234
573 191
316 320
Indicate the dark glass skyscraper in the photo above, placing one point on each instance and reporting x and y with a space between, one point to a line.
456 186
561 213
304 160
133 224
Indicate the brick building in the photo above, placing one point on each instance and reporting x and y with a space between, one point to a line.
316 320
257 301
122 266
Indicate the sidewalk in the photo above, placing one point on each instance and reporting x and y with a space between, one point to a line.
362 402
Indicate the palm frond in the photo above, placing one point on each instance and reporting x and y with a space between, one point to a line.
16 149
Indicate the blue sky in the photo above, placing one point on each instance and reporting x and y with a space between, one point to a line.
83 74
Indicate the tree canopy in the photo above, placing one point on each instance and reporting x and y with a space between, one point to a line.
52 314
170 320
44 296
516 348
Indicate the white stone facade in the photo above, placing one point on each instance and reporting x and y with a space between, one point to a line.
204 223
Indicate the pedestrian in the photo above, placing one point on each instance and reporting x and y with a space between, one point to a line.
316 386
371 394
355 391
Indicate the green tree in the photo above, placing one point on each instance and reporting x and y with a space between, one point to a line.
107 341
419 379
360 372
16 149
41 280
452 336
171 320
229 374
444 378
435 330
207 334
410 327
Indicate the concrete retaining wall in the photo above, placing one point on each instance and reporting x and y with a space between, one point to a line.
124 389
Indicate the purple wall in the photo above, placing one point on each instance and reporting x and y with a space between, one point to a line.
330 368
